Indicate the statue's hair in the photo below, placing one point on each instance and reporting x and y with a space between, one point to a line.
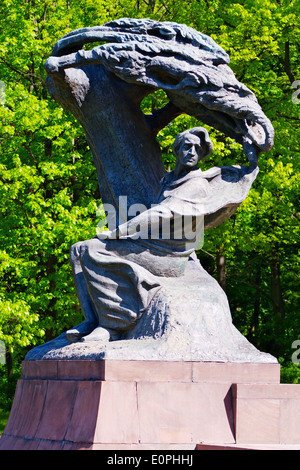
202 134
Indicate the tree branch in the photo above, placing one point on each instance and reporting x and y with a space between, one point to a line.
29 75
160 118
287 63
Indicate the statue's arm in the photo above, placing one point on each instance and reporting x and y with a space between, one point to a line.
251 151
212 172
138 226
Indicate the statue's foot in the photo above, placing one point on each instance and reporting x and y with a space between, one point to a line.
98 334
76 333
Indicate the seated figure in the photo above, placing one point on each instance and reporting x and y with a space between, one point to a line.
118 273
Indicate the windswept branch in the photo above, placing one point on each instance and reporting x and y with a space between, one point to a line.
160 118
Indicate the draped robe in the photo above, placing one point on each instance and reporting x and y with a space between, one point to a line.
119 276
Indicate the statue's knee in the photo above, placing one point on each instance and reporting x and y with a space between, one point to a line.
79 248
75 251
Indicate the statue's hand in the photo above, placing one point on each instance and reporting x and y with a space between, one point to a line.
104 235
251 151
107 235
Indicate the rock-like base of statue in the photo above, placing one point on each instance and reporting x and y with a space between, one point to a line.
189 319
155 405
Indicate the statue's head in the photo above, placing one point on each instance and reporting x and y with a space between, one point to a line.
191 146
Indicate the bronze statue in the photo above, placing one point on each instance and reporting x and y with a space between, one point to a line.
142 289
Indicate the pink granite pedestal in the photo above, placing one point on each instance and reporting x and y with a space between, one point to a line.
147 405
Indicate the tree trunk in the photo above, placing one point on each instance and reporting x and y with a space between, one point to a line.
123 141
256 305
276 290
9 364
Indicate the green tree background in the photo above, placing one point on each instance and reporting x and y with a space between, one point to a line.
48 184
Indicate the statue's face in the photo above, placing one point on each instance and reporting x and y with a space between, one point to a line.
190 150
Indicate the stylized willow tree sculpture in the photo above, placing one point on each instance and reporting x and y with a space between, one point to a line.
189 317
104 87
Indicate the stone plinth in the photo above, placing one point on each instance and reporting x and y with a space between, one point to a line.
150 405
267 413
